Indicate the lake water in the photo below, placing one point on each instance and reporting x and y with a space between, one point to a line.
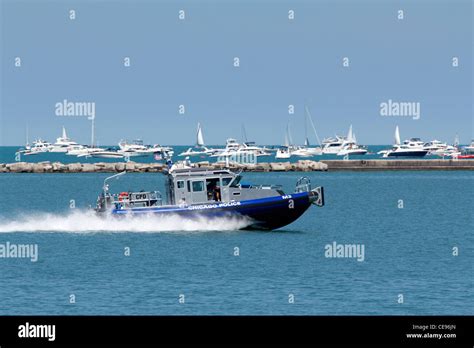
407 251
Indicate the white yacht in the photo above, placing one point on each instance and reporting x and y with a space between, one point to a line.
157 149
436 147
233 148
250 146
469 149
137 149
39 146
64 144
106 153
301 151
199 149
409 148
332 146
283 152
84 151
350 147
133 149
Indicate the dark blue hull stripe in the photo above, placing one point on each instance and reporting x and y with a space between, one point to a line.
265 213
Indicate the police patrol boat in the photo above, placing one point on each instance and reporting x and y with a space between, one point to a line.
204 192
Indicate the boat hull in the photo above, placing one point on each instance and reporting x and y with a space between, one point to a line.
420 153
265 213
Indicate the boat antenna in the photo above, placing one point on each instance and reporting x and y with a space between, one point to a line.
312 124
106 187
244 134
92 131
27 135
113 177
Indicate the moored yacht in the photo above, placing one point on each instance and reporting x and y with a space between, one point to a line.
410 148
233 148
332 146
137 149
39 146
105 153
283 152
133 149
469 149
84 151
250 146
350 146
436 147
64 144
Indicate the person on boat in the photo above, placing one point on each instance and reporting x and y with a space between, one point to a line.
217 193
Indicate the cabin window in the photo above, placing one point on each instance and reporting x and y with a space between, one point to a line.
226 181
198 186
189 186
180 184
236 181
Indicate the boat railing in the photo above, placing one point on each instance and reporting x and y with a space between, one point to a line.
303 185
264 187
153 198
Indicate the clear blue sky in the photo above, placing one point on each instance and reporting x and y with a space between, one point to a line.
190 62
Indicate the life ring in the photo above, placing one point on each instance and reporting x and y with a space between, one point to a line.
122 196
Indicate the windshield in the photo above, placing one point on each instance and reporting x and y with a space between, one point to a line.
236 182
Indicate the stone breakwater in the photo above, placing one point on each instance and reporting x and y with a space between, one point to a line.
300 166
133 167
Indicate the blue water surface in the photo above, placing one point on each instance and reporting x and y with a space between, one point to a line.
408 251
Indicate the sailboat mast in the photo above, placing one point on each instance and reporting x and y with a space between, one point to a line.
289 133
312 125
92 131
306 141
244 134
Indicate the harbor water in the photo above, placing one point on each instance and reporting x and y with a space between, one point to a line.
415 229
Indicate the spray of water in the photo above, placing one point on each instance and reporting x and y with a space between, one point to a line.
88 222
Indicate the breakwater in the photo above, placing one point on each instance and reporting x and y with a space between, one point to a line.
406 164
300 166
